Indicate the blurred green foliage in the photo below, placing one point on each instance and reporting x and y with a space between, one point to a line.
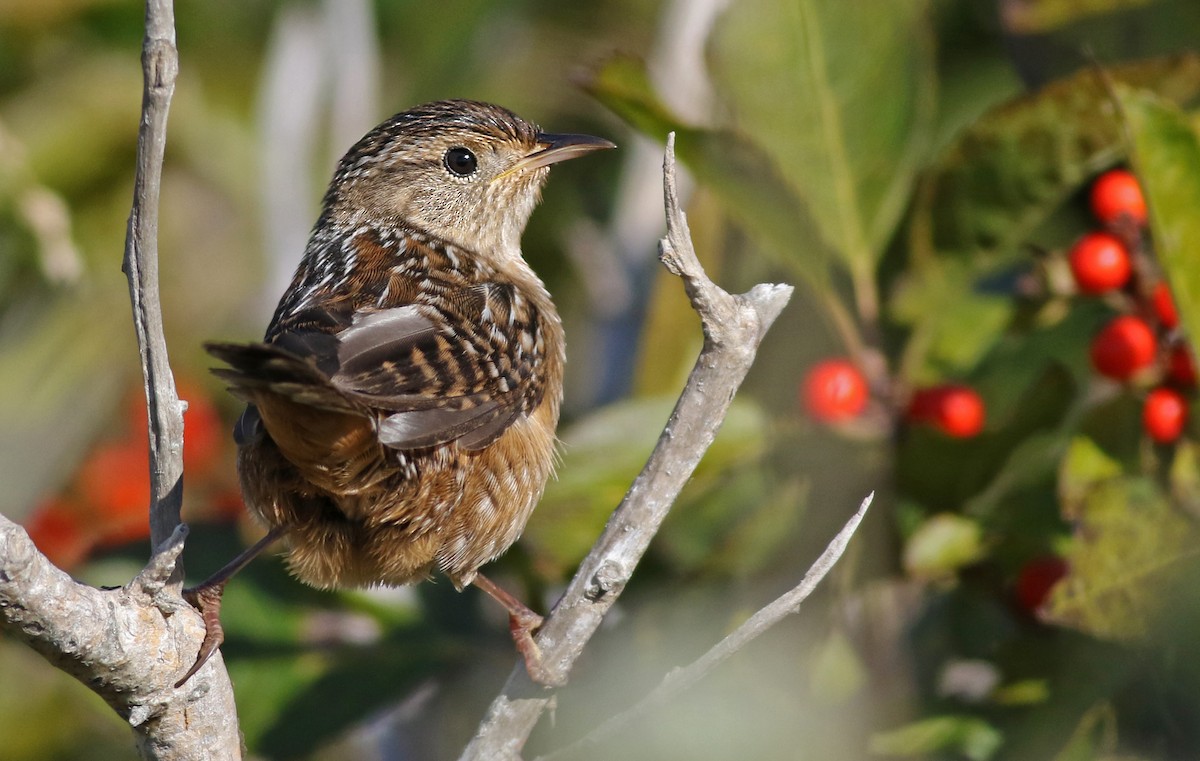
919 167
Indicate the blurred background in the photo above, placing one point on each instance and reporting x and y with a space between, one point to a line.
1025 585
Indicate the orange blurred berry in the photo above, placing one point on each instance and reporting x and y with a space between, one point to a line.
1118 193
1165 415
834 391
115 481
57 529
1124 347
1181 370
1164 306
227 505
956 410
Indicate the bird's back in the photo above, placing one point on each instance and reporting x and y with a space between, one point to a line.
401 410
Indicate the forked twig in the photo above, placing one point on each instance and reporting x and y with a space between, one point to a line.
733 325
768 616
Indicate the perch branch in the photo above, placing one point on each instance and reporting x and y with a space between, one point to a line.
129 645
733 326
682 678
125 644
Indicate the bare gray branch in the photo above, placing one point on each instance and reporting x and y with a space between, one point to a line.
129 645
682 678
733 328
160 64
125 644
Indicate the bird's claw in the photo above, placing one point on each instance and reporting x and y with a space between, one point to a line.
205 598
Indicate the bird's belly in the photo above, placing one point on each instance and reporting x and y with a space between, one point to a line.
444 510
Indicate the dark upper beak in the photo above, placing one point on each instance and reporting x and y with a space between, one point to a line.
552 148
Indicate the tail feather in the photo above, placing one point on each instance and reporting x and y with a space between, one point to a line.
259 368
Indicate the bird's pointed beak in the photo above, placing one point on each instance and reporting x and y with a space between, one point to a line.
553 148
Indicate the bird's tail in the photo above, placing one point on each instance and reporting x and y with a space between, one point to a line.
256 369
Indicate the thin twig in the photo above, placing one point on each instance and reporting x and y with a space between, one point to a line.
733 328
129 645
160 64
682 678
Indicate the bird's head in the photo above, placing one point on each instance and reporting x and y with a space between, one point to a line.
465 171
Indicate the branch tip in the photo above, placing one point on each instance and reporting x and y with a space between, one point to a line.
158 571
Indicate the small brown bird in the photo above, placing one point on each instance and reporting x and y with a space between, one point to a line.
401 409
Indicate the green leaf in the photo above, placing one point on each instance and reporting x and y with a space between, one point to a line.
1132 552
837 672
1094 737
1026 692
1084 467
740 174
1166 154
604 452
972 737
733 527
942 545
840 94
1025 17
1004 176
1185 476
954 324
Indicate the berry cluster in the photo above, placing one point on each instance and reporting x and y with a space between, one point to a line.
1141 344
835 391
106 501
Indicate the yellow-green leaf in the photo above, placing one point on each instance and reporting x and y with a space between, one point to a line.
1042 16
1131 551
1007 173
840 94
971 737
837 671
605 451
1095 737
1166 154
750 186
942 545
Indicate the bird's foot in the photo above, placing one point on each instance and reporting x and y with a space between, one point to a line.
206 598
522 625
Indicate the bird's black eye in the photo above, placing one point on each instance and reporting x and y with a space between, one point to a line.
461 162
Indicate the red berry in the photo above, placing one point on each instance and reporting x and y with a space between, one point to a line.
1099 263
1164 306
954 409
1125 346
834 390
1116 193
1036 580
1181 370
1164 415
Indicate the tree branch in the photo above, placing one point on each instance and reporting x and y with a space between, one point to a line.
733 328
128 644
682 678
160 64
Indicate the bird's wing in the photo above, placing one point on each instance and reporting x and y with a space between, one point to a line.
444 373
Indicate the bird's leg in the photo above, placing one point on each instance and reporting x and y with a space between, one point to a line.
206 598
522 623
